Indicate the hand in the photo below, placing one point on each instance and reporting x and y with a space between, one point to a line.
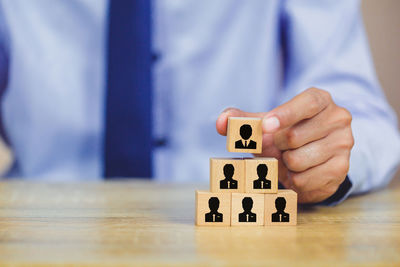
311 137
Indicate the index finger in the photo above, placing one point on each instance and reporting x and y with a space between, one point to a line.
303 106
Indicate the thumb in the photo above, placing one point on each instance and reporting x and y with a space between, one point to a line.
222 121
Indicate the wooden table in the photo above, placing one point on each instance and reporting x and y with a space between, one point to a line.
143 223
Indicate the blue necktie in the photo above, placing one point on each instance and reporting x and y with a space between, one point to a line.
128 126
4 67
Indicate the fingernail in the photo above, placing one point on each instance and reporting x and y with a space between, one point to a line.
271 124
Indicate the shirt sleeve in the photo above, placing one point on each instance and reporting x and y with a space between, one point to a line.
325 46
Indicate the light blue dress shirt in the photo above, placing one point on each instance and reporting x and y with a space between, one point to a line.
253 55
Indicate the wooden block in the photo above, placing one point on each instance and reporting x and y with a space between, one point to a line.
226 175
261 175
244 135
281 208
213 209
247 209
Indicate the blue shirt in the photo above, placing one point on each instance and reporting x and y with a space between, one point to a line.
253 55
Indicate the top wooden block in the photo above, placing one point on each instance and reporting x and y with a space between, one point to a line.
244 135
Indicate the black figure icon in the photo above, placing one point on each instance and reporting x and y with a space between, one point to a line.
262 182
214 215
280 215
245 132
247 215
228 182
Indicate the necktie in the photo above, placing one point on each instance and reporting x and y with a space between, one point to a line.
4 67
128 133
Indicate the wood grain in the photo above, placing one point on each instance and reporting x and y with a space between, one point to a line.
150 224
290 207
217 174
271 171
203 209
256 208
233 134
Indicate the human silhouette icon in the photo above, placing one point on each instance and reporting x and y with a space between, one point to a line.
247 215
280 215
228 182
245 132
262 182
214 215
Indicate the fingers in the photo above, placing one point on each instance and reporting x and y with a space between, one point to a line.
268 147
319 177
307 156
303 106
222 121
318 152
306 131
316 195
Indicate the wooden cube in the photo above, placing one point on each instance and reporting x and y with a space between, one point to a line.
213 209
261 175
226 175
247 209
281 208
244 135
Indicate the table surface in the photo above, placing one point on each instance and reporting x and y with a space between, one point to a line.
145 223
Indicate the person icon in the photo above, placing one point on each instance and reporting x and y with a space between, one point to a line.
228 182
280 215
247 215
262 182
214 215
245 132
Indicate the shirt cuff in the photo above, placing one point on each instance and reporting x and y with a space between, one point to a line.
341 194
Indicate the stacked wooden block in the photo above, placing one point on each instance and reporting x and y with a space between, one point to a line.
244 191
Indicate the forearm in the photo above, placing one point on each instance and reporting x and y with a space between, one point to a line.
376 152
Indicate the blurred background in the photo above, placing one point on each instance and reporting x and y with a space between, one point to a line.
382 24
